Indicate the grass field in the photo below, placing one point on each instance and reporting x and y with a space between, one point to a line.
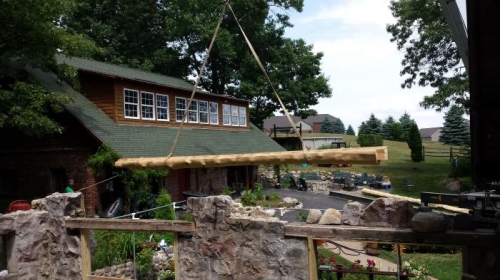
430 175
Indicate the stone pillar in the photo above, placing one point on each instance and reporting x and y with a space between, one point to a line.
231 243
38 244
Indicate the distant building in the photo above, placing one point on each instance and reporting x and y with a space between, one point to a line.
430 134
311 124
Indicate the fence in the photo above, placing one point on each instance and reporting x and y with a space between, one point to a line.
452 152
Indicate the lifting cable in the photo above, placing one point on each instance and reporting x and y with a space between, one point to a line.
186 110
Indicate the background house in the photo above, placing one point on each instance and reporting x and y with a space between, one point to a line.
311 124
136 114
430 134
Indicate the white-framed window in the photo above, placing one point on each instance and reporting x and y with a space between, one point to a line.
203 112
180 107
226 114
234 115
243 116
147 105
131 103
193 112
214 113
162 107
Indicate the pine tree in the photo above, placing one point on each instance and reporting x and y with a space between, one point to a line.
327 126
350 131
373 126
415 143
406 122
455 130
362 128
387 128
338 127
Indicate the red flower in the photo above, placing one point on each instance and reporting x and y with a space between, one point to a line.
332 260
322 262
371 263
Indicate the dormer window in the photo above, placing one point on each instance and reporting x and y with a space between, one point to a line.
131 103
147 105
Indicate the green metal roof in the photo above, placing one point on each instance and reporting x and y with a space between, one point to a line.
153 141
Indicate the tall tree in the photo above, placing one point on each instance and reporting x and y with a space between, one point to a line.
455 130
327 126
31 33
338 127
415 144
350 131
362 128
182 30
373 126
430 55
392 130
406 122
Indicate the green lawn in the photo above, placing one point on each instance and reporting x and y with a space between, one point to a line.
430 175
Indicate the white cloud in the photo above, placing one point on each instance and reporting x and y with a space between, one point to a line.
361 62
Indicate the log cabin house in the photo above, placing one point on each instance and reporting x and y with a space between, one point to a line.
136 114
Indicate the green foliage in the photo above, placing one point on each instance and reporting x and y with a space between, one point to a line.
415 144
461 167
327 126
406 122
273 196
430 55
370 140
166 213
324 147
144 263
302 216
455 130
466 184
392 130
350 131
338 127
103 160
371 126
31 34
113 247
137 185
250 197
226 190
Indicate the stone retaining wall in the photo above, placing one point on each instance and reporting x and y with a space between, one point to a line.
231 242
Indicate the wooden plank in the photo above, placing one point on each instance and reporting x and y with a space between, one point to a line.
391 235
93 277
313 266
368 155
85 252
130 225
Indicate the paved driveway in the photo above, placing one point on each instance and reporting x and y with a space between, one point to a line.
309 200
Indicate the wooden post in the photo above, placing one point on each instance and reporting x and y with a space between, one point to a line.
176 255
85 253
313 266
247 178
451 153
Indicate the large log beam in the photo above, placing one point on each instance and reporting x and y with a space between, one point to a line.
369 155
390 235
130 225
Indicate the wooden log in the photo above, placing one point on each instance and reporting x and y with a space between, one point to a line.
369 155
130 225
416 201
313 266
391 235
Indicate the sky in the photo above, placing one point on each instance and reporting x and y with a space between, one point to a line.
361 63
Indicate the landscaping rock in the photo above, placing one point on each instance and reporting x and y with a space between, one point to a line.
428 222
387 212
351 213
453 186
314 216
331 217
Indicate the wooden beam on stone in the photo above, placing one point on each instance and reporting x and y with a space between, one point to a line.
85 261
368 155
391 235
131 225
313 266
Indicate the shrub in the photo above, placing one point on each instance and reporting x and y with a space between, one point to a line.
144 263
226 190
166 213
370 140
273 196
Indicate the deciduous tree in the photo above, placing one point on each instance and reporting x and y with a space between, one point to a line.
31 33
430 55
